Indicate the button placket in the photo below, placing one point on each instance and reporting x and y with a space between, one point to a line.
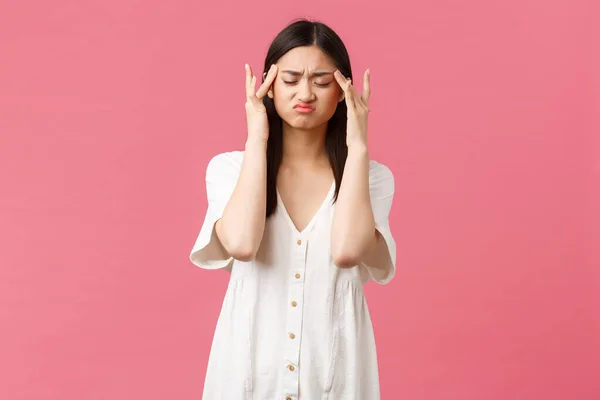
294 317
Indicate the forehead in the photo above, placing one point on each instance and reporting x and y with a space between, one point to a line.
305 58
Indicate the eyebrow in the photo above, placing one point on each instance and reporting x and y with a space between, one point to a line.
314 74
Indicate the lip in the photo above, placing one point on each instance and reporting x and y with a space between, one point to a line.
303 108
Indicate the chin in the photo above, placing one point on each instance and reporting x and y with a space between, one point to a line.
304 122
307 125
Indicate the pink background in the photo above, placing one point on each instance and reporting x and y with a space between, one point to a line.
486 112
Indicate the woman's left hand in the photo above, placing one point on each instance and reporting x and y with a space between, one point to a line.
358 109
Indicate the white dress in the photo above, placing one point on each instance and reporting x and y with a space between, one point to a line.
292 325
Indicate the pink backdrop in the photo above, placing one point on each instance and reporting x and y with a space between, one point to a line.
486 112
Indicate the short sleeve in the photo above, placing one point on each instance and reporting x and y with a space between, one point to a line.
222 174
381 265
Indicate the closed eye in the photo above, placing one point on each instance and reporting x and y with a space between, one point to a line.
318 84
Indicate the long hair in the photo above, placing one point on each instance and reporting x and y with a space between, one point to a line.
307 33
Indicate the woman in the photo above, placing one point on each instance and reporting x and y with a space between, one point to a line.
300 219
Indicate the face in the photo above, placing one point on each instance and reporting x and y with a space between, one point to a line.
305 78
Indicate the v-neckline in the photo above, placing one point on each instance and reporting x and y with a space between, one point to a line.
308 226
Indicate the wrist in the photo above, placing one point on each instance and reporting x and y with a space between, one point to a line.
357 148
256 143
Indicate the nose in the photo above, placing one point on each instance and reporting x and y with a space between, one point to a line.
305 93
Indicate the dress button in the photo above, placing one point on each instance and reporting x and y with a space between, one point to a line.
299 242
294 304
297 276
292 336
291 368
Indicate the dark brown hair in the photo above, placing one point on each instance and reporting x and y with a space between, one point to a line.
307 33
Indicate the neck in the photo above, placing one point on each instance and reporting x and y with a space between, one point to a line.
304 147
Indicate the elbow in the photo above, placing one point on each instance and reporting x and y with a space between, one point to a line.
349 245
345 260
242 252
351 254
341 255
240 247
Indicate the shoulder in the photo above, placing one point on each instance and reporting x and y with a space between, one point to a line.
227 159
225 164
380 175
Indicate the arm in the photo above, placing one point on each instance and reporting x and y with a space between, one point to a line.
241 228
353 227
353 234
360 229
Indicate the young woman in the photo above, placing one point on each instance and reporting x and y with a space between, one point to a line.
300 220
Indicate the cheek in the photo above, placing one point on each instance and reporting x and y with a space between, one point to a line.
279 100
333 97
330 100
280 89
281 95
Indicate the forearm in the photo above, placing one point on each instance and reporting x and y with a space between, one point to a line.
242 225
353 226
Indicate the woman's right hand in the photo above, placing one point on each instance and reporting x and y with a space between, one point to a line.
256 112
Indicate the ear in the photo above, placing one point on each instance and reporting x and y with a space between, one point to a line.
342 96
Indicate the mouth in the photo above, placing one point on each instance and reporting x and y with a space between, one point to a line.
303 108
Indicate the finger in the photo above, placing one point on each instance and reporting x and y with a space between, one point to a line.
346 85
256 102
249 84
341 79
351 95
366 95
264 88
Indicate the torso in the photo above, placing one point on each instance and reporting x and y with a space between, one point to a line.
303 192
292 323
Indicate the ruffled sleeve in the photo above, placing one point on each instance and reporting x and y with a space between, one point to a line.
222 174
381 266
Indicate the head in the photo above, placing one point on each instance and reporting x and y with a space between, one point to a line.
306 53
305 77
